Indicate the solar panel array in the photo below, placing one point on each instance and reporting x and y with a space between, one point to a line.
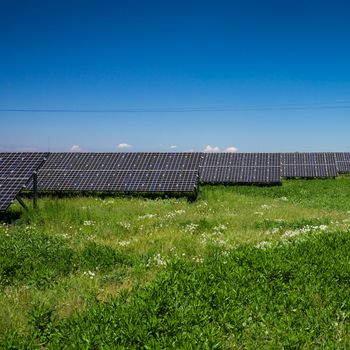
120 172
16 169
157 172
343 162
308 165
240 168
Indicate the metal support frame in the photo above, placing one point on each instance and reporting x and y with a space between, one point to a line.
35 190
35 194
19 199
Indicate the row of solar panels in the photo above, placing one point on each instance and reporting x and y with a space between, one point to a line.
140 171
157 172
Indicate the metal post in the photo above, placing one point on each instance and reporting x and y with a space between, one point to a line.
35 190
21 202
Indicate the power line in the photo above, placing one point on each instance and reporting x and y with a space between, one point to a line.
256 108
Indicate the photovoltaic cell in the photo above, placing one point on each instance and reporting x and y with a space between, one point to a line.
240 175
118 180
240 168
308 165
123 161
16 169
240 159
120 172
343 162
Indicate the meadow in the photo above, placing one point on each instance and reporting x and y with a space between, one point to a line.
242 267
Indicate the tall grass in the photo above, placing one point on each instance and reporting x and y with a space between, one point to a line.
243 267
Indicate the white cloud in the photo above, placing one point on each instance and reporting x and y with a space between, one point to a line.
75 148
231 149
211 149
173 146
124 145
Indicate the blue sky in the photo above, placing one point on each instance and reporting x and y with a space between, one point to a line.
275 73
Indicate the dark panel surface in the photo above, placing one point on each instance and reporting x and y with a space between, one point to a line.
240 175
308 165
118 181
16 169
240 168
240 159
343 162
119 172
123 161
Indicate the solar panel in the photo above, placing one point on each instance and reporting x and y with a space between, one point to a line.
123 161
240 168
240 159
240 175
308 165
118 180
171 172
343 162
16 169
119 172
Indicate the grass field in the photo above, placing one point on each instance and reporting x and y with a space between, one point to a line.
240 268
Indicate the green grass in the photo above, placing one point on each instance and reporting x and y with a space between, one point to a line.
240 268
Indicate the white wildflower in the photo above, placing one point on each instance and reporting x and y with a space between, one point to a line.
191 228
221 242
174 213
304 230
124 243
89 223
204 238
198 259
147 216
125 225
89 274
263 245
273 231
220 228
157 260
180 211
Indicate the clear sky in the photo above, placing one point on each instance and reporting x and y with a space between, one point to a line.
255 75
